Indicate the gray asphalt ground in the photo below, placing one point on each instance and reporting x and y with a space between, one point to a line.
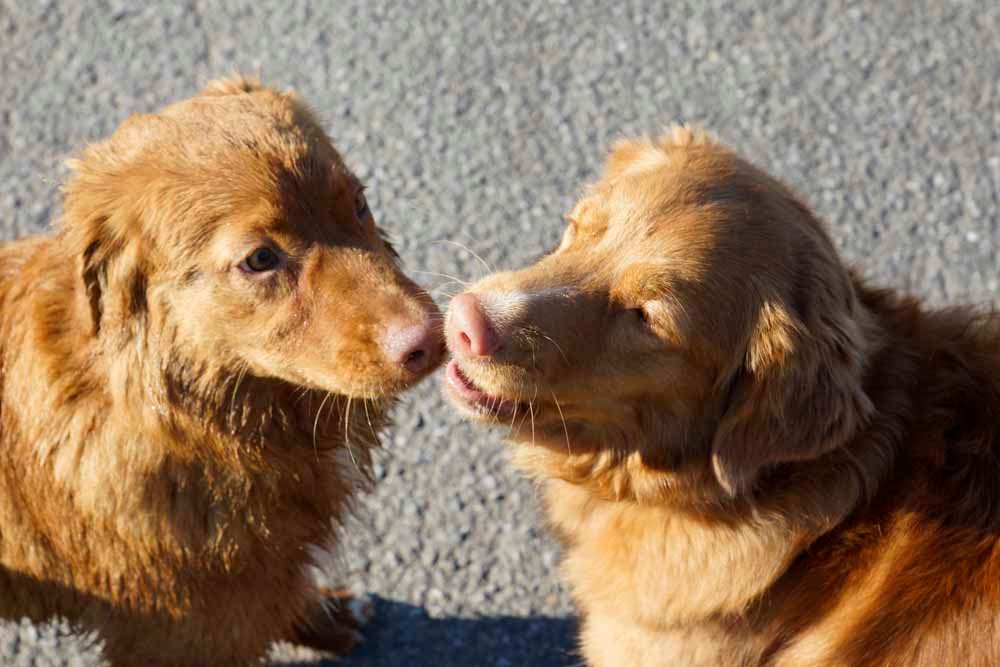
475 124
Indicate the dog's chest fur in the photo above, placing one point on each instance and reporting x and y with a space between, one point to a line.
658 586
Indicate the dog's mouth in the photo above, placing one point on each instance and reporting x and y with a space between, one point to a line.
476 399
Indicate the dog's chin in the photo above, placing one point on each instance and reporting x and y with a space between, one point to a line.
386 391
475 399
380 385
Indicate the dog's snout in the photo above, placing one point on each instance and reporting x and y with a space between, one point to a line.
471 332
414 346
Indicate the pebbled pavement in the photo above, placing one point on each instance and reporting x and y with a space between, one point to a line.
475 123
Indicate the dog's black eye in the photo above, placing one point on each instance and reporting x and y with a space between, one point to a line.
360 205
260 260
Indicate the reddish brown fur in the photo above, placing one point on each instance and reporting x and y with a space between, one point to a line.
781 466
176 435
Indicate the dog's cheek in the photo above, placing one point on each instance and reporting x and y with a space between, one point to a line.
212 316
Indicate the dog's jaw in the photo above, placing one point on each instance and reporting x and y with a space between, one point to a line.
475 401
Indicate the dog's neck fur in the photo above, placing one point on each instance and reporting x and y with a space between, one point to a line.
691 562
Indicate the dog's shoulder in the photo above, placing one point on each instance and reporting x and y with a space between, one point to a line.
911 577
14 255
16 261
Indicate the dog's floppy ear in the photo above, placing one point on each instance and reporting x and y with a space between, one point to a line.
98 222
797 392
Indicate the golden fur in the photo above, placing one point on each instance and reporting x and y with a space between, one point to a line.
177 434
753 457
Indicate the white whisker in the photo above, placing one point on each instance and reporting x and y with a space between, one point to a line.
450 277
316 423
232 400
569 449
347 435
549 338
531 411
472 252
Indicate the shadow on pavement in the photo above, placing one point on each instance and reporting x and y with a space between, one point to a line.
403 634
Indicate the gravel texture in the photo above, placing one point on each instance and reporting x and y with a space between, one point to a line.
475 124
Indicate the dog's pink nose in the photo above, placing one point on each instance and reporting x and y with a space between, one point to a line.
416 347
472 334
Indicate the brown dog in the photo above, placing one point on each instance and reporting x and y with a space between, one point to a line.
192 373
753 457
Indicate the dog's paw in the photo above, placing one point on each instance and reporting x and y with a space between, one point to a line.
336 621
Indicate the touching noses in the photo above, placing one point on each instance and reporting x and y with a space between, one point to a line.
470 332
414 346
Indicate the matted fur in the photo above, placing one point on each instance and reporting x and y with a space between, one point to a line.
753 457
176 434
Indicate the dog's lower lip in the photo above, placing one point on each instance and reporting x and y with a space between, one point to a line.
467 390
463 384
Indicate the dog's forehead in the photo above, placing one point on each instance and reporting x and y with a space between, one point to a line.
646 250
252 196
633 201
292 169
268 125
287 196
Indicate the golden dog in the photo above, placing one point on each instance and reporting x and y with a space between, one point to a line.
178 365
753 457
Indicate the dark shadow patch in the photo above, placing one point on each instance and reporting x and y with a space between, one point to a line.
404 635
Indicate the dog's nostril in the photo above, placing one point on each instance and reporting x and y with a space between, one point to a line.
415 347
417 361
